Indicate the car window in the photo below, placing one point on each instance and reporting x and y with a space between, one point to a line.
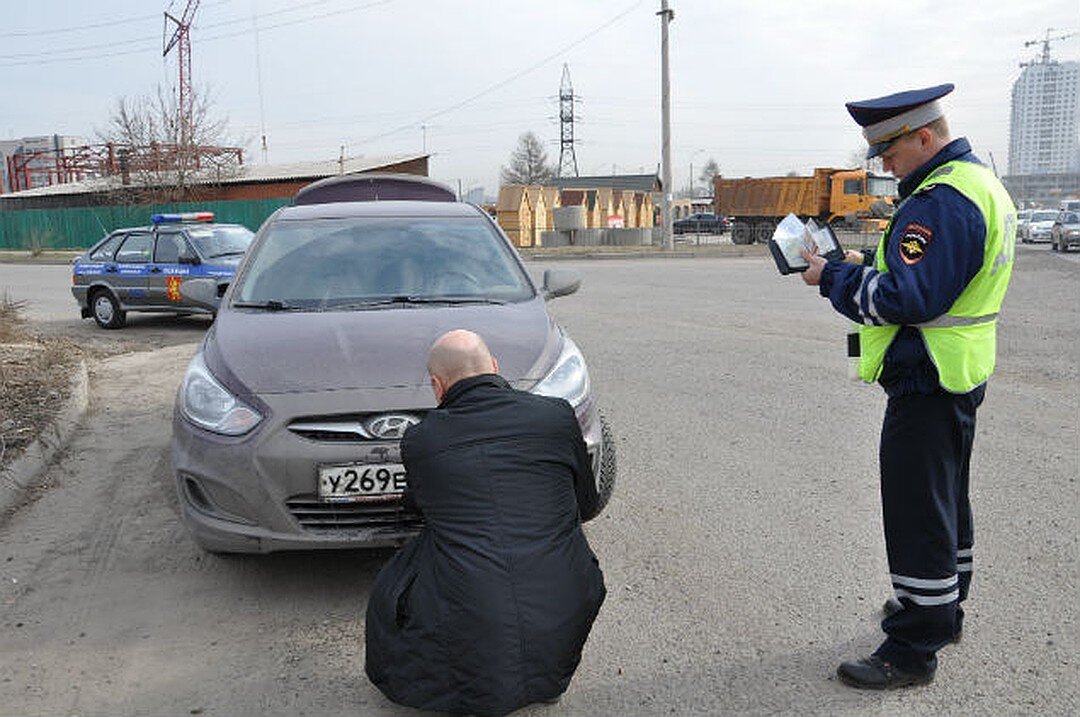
105 251
1071 218
1043 216
169 248
135 249
338 262
221 240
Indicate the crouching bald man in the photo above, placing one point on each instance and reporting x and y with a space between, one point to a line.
488 608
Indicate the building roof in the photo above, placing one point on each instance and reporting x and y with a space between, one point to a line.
635 182
249 174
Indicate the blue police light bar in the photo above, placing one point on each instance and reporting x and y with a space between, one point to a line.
183 217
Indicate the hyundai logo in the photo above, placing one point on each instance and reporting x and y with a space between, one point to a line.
391 425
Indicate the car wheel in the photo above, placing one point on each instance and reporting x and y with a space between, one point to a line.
606 479
106 310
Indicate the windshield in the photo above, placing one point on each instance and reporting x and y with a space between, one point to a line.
881 186
1044 216
361 262
224 240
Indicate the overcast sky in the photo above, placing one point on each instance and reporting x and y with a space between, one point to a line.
757 85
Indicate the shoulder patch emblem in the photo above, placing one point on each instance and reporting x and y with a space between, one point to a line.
914 242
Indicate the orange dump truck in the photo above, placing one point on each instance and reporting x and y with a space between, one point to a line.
848 198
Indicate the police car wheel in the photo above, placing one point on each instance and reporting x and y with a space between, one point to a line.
107 311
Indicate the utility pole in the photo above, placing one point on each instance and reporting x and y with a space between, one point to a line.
666 16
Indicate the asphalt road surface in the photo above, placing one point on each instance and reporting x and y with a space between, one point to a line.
743 549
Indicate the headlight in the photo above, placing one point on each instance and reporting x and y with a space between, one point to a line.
209 405
569 378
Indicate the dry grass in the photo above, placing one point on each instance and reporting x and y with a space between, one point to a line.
35 377
12 324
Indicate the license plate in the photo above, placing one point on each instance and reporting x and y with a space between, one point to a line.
349 482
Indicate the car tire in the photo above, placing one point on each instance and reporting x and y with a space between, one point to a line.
608 468
106 310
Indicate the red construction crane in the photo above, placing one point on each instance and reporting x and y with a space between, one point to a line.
182 36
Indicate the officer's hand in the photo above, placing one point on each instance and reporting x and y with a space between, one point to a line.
812 275
853 257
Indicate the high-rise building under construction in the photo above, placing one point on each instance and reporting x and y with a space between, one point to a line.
1045 131
1044 136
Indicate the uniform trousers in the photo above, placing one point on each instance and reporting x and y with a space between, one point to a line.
925 456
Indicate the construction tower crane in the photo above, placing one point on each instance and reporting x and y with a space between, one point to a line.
182 37
1046 45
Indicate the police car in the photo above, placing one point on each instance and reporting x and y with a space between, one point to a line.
142 268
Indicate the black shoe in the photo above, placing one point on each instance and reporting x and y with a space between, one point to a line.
893 606
873 673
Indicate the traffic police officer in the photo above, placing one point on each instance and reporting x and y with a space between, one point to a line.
926 301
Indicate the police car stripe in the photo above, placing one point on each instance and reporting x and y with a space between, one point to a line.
924 583
928 600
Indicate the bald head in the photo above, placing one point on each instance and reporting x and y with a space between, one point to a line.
457 355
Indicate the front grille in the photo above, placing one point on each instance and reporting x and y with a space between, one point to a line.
321 517
357 428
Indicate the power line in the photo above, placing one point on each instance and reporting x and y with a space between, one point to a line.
502 83
136 45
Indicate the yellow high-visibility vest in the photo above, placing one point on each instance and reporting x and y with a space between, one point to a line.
962 342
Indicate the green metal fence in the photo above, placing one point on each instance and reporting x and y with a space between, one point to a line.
80 227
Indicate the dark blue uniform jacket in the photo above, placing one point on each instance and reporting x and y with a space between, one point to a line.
946 236
488 609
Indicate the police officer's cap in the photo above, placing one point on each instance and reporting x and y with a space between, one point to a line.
886 119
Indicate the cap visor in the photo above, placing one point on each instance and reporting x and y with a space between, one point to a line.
875 150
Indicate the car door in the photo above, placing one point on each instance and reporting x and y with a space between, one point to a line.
133 263
173 259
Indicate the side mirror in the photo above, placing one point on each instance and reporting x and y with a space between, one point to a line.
202 292
560 282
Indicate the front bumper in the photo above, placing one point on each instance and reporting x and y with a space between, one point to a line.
257 493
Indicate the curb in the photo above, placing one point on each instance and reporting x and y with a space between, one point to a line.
26 471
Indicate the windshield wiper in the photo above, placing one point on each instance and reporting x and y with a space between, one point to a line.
413 300
271 305
450 300
227 253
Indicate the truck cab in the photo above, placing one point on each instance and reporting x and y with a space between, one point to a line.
858 197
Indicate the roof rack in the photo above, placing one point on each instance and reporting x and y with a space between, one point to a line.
374 188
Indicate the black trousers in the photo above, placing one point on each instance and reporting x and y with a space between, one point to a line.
925 456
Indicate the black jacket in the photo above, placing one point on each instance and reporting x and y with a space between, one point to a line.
487 610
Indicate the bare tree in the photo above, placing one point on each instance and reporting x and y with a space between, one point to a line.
156 158
710 170
857 158
529 163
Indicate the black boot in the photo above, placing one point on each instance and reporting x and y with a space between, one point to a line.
873 673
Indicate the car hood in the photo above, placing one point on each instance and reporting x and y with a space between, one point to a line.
259 352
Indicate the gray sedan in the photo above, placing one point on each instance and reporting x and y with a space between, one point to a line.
287 423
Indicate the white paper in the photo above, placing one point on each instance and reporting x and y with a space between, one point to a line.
791 236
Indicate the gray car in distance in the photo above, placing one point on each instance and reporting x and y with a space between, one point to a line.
288 420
